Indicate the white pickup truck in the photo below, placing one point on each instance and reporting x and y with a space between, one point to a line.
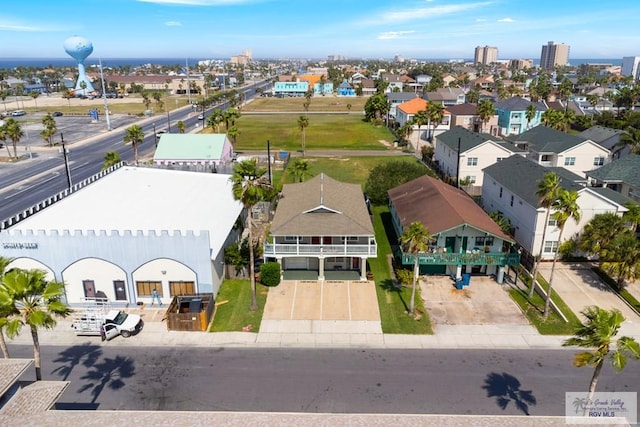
113 323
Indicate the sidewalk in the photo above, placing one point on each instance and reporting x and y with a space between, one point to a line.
320 334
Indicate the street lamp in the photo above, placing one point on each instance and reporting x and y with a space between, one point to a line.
155 135
168 122
104 96
66 161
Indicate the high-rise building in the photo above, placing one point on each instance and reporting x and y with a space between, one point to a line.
554 54
485 55
631 66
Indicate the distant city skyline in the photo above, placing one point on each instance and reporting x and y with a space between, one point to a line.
346 28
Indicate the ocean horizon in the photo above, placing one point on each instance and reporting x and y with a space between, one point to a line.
11 63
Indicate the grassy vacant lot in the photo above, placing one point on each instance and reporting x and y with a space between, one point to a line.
325 132
234 314
322 103
354 169
76 106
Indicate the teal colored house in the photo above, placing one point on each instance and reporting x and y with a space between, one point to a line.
323 89
193 149
284 89
512 119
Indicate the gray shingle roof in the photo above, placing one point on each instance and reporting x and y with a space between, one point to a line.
468 139
625 169
521 176
518 104
322 206
401 96
612 195
542 139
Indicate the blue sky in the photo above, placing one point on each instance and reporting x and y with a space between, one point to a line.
308 29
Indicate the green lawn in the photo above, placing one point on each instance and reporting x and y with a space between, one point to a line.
393 302
325 132
233 315
351 169
534 307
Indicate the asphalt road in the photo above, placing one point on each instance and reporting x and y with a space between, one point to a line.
27 183
313 380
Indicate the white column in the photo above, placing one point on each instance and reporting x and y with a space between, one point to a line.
321 268
363 268
458 272
500 276
279 260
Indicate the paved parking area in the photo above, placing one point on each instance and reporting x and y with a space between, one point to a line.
483 302
580 287
322 300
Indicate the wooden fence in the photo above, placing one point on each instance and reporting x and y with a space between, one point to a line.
190 312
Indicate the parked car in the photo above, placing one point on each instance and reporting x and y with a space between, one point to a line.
56 114
18 113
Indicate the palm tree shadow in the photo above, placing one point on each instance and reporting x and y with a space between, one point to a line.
506 388
86 354
108 373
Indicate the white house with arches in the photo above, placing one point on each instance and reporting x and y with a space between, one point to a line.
130 232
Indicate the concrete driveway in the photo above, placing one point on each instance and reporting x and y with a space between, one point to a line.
580 288
316 306
483 302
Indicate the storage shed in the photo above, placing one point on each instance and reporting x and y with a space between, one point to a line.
190 312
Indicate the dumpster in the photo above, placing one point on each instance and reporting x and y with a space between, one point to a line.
466 279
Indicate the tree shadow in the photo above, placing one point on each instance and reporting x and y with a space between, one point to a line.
108 373
506 388
86 354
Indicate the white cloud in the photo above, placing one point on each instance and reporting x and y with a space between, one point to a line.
481 20
16 26
423 12
506 20
390 35
173 24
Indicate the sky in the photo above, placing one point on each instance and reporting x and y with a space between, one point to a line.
422 29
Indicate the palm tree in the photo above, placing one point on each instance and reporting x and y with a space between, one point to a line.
233 133
134 135
67 94
50 128
630 138
547 193
415 240
436 113
300 170
597 333
600 232
530 113
485 112
35 302
249 187
111 158
632 215
420 118
303 122
566 206
35 94
13 131
623 258
5 311
181 126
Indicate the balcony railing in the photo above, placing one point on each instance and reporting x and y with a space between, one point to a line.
280 249
481 258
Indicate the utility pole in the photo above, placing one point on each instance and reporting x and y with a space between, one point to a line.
104 96
458 166
66 161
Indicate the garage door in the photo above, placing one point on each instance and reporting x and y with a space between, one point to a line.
295 263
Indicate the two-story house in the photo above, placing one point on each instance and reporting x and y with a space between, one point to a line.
464 154
621 175
609 138
466 115
322 224
466 239
395 83
512 115
551 147
510 187
446 96
397 98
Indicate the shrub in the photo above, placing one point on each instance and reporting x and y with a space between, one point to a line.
404 276
270 273
389 175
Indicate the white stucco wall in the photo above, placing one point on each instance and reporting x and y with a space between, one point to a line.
102 272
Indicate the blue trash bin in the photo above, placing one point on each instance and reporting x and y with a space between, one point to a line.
459 284
466 279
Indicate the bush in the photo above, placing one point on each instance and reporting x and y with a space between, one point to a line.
270 273
404 276
389 175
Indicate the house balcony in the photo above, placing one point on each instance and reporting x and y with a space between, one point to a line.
340 250
480 258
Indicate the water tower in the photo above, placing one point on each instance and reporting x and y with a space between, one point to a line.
79 49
